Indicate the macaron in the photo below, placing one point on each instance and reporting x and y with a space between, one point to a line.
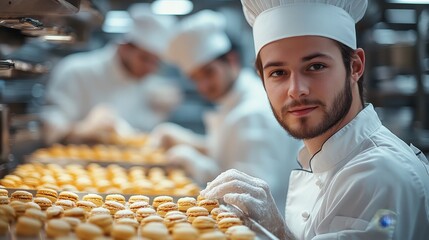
67 195
8 213
215 211
100 211
47 193
54 212
185 203
185 233
36 214
43 202
19 207
22 196
32 205
138 198
204 224
174 212
116 197
223 215
137 205
3 192
88 231
103 221
144 212
122 232
173 219
226 223
213 235
86 205
4 200
28 227
151 219
240 232
113 206
65 204
94 198
160 200
128 221
124 214
154 231
74 222
199 198
208 204
57 228
164 208
194 212
76 212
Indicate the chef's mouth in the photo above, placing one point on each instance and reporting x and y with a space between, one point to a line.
301 110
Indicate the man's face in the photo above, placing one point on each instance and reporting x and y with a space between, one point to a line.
306 83
139 62
213 80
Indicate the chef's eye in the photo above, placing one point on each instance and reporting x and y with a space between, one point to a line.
277 73
316 67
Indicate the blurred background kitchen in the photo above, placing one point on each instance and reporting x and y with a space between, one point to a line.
36 34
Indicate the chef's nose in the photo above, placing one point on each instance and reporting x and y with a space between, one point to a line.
298 86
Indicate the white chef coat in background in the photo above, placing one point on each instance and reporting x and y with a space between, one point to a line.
243 134
362 168
84 80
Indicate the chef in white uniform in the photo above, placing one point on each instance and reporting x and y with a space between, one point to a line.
242 132
351 165
113 89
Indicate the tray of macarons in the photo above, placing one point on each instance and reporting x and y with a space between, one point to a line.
100 153
48 214
96 178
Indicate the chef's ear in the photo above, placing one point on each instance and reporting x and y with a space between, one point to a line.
357 64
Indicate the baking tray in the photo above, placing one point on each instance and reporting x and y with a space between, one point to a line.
261 232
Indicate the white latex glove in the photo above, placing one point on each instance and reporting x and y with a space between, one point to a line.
381 227
198 166
252 196
167 135
100 123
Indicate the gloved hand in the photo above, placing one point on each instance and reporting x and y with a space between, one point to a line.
168 135
198 166
99 124
251 195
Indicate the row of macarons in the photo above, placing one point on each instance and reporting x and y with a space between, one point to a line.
139 211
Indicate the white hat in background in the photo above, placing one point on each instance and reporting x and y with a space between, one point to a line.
277 19
150 31
200 38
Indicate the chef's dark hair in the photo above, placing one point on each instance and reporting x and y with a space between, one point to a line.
346 53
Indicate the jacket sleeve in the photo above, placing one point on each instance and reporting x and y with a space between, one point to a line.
362 188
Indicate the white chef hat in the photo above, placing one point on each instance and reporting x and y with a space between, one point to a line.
277 19
150 31
200 38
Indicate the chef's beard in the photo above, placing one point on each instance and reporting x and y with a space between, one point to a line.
337 111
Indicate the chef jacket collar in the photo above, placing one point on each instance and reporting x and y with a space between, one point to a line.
343 142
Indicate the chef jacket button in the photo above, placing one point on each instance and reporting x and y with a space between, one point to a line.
305 215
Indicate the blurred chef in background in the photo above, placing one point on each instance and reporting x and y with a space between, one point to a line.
241 132
113 90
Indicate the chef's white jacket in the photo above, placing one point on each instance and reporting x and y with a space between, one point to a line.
360 169
84 80
243 134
